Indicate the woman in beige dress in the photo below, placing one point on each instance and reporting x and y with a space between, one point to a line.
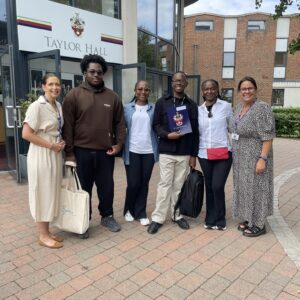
42 128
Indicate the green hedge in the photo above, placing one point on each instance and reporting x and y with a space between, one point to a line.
287 122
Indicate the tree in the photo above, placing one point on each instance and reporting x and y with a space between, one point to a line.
280 8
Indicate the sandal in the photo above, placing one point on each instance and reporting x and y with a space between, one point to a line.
254 231
243 226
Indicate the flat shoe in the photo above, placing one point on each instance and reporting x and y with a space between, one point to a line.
57 238
56 245
254 231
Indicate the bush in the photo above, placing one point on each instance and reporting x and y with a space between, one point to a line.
287 122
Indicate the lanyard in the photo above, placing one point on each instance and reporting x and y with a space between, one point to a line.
174 101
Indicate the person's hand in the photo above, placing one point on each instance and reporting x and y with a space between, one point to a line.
70 161
114 150
175 135
260 166
58 147
192 162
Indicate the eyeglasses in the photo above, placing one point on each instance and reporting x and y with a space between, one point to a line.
94 72
249 89
210 115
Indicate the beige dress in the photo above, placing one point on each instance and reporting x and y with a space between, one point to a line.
44 166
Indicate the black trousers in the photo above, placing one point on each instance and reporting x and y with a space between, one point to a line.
95 166
138 174
215 175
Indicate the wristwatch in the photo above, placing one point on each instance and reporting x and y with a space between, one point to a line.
263 157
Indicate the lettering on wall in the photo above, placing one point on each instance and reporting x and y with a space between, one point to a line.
86 48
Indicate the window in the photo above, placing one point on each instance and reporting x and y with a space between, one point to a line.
110 8
204 25
228 59
280 59
227 95
229 45
228 73
165 19
256 25
146 15
277 97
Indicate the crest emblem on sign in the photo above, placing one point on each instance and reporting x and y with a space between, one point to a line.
77 24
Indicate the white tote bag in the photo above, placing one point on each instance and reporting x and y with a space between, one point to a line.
74 210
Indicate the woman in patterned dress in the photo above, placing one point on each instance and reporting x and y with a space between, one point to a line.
42 128
253 130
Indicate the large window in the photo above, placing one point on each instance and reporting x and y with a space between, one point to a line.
3 24
110 8
165 19
147 15
156 31
278 97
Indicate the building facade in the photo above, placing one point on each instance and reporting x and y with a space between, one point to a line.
227 48
140 39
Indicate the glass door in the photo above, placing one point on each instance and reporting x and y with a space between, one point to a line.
38 65
125 78
9 115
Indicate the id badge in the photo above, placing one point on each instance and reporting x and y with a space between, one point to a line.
235 136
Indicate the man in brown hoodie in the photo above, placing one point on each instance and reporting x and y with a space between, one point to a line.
94 131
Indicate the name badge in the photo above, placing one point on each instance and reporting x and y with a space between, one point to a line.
182 107
235 136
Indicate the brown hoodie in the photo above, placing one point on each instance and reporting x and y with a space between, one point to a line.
93 119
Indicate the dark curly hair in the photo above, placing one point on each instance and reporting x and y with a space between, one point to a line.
93 58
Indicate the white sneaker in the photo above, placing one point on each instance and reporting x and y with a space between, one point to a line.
128 216
144 221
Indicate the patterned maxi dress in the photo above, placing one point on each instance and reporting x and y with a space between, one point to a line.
44 165
253 194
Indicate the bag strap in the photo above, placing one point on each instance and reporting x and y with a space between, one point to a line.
73 179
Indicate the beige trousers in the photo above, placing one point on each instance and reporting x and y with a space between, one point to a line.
173 172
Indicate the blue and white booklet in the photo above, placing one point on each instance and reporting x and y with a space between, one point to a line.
179 120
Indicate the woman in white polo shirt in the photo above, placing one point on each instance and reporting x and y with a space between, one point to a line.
214 155
139 153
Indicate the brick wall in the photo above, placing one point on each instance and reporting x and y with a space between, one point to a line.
254 56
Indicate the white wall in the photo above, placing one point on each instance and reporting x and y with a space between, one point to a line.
292 97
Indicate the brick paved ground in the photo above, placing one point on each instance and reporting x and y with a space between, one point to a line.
131 264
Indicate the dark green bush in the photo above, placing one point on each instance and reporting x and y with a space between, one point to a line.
287 121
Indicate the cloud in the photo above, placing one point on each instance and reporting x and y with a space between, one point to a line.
235 7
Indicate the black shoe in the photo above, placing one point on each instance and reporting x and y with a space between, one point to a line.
84 236
182 223
153 227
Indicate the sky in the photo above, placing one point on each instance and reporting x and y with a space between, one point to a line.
235 7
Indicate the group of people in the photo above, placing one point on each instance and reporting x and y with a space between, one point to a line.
92 126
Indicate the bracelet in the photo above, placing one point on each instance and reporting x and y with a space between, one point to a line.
263 158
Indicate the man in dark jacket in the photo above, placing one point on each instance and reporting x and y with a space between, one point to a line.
94 132
177 150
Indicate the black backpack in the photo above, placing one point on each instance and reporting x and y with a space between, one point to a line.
190 199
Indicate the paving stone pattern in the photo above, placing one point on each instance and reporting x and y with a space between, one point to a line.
172 264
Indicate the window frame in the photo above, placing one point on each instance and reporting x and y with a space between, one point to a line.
281 101
222 94
203 28
256 27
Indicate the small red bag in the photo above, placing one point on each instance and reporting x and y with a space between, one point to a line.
217 153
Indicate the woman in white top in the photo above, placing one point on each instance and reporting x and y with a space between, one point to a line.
42 128
139 153
214 115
